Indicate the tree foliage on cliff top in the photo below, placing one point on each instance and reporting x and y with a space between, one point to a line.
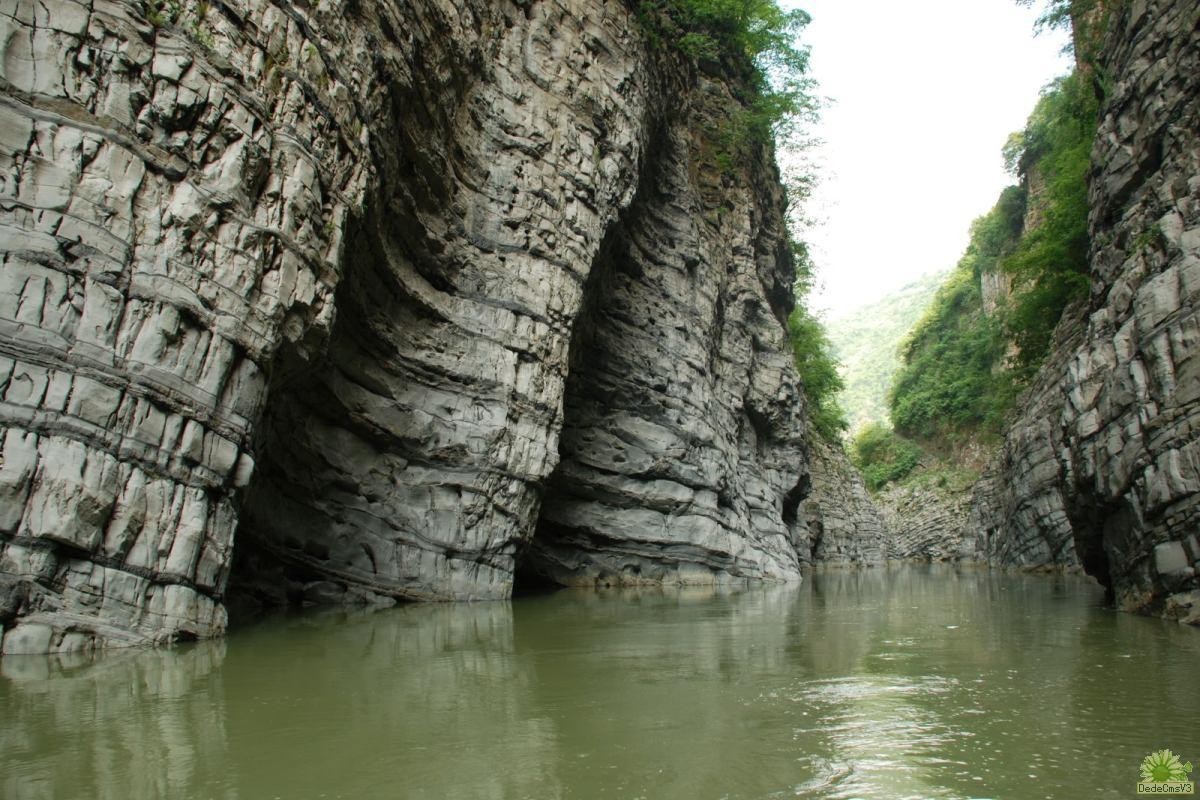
759 42
1050 265
1086 20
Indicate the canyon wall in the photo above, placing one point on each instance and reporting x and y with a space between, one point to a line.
1102 466
927 523
336 277
844 525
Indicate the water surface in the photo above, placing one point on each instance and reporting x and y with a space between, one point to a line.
889 683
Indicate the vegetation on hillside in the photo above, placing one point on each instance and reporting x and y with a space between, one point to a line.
1050 264
883 456
861 342
948 381
962 368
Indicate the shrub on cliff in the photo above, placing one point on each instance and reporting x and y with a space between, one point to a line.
818 370
1050 264
813 354
882 456
759 42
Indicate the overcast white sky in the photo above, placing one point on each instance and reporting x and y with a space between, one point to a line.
924 94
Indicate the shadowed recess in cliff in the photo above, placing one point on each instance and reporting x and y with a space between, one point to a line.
404 464
374 482
678 457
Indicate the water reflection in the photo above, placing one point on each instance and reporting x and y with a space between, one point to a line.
132 724
913 682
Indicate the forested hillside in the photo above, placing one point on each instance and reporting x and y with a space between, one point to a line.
867 363
990 325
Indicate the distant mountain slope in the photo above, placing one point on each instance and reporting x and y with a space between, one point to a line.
865 341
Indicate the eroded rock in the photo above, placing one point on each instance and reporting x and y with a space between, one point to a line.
1103 464
316 269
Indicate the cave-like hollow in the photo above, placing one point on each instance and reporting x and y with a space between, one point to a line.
383 469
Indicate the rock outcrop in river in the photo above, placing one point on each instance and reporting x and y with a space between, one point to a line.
1103 463
394 284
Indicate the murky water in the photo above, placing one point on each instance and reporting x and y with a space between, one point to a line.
912 682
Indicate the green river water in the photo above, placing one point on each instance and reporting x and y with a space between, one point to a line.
907 682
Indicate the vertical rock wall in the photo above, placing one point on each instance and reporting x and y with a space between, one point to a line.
925 523
1104 455
349 243
408 463
1018 514
683 415
172 196
842 524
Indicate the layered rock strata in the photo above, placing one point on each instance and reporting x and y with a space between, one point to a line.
843 524
926 524
682 410
171 212
1104 454
370 247
1018 515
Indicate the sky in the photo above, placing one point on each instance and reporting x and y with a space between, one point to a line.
922 96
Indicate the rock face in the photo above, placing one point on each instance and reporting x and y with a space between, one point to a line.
1018 515
340 270
1104 455
844 526
925 524
682 411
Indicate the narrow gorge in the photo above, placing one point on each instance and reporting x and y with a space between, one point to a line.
434 399
1101 466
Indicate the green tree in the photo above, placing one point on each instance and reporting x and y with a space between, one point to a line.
818 371
813 354
760 43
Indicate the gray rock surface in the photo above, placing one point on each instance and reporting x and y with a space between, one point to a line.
1018 515
320 267
926 524
683 415
171 208
1103 463
844 525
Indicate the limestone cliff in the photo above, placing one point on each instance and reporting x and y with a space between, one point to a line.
1102 464
844 525
386 288
926 523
